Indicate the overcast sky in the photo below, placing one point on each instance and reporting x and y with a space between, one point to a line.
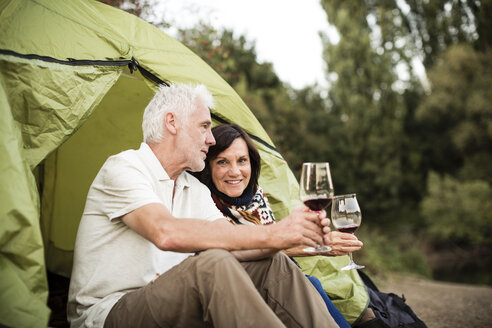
285 31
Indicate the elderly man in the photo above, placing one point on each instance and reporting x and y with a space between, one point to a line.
152 250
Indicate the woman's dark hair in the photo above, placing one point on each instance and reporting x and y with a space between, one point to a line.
225 135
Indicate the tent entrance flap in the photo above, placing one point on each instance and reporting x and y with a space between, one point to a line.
70 170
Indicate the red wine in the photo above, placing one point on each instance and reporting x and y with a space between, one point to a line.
317 204
348 229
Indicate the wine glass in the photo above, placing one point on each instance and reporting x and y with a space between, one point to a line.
346 217
316 192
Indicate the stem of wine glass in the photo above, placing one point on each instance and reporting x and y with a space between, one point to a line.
350 256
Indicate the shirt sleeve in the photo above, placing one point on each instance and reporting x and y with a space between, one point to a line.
119 188
208 207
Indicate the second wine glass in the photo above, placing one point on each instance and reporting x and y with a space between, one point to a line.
346 217
316 192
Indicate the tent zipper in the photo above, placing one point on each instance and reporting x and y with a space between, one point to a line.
69 61
133 65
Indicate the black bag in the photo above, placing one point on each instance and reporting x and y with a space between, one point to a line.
390 310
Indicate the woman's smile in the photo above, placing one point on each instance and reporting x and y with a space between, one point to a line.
231 169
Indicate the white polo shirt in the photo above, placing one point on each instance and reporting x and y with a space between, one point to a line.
110 259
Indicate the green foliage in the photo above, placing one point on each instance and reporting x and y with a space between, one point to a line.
433 26
458 114
144 9
368 136
232 57
319 124
458 211
385 252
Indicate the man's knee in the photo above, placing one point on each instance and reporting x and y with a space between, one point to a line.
284 261
281 257
210 258
218 268
214 254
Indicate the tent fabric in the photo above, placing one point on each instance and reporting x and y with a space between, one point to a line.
80 88
23 280
69 98
38 122
345 289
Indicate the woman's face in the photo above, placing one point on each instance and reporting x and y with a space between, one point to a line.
231 170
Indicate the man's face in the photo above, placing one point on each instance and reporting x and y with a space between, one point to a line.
197 138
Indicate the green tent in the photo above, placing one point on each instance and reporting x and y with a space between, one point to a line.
75 77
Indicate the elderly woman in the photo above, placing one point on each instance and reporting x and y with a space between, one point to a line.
231 172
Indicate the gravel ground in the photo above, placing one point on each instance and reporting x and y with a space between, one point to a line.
442 304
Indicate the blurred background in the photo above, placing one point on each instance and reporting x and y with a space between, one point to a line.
402 111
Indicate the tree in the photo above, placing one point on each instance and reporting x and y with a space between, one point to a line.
141 8
233 57
458 211
442 128
436 25
458 114
369 108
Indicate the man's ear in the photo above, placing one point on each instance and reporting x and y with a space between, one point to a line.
170 122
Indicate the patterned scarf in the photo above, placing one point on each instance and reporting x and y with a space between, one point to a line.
246 209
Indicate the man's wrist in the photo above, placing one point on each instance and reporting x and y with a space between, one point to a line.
269 239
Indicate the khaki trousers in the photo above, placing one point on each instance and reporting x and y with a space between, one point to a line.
213 289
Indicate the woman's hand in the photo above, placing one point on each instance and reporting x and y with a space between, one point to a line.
341 243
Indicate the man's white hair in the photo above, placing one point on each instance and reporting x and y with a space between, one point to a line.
179 99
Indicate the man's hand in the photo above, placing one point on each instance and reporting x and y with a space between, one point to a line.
301 227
